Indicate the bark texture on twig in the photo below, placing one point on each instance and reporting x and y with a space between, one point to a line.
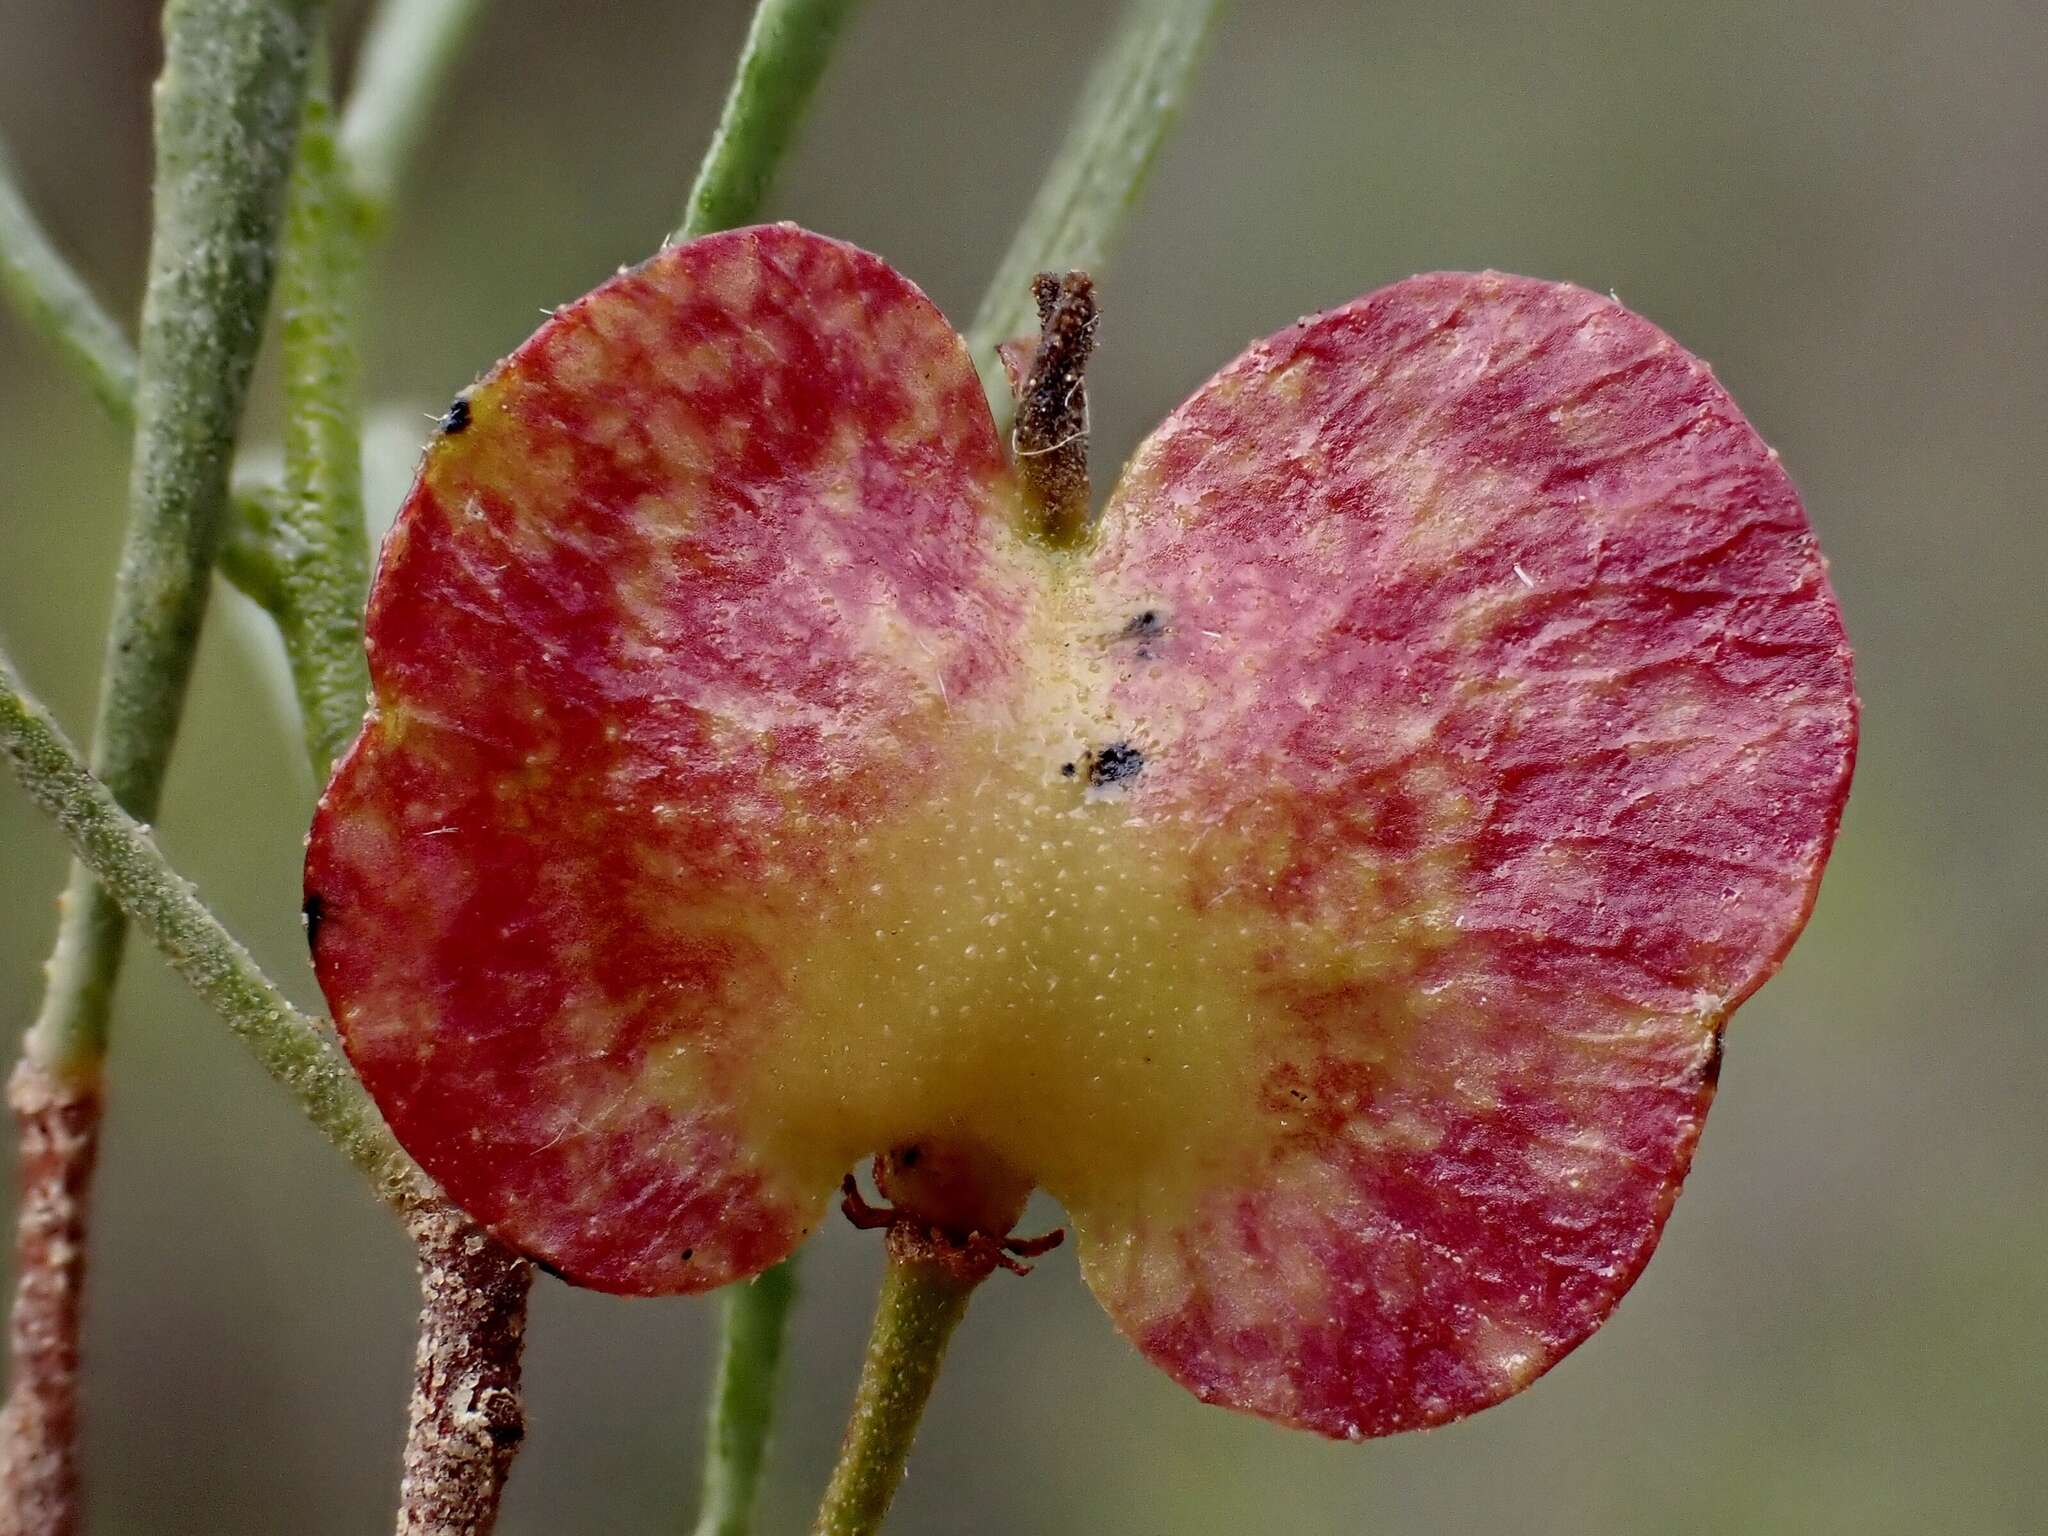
59 1126
467 1416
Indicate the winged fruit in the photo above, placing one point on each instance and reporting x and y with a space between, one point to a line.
1329 877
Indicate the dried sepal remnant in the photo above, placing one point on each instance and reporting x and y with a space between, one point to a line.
951 1208
59 1125
750 789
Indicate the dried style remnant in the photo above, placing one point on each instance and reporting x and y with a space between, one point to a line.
1050 439
750 788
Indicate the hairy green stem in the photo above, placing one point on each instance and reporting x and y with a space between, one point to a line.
299 1051
780 66
299 553
407 54
226 115
754 1319
54 300
303 553
922 1303
1132 98
321 565
227 109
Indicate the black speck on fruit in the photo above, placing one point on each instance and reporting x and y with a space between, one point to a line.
1144 628
689 1254
909 1157
457 418
1117 763
1067 770
312 910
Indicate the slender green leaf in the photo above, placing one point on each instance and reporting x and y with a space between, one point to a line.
53 299
780 65
407 54
1132 99
322 558
755 1325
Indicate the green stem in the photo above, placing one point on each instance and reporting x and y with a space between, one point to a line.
780 66
248 553
1132 98
300 1052
227 109
407 54
226 115
300 553
54 300
754 1320
322 559
922 1303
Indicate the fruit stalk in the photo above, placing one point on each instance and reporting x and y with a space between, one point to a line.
923 1299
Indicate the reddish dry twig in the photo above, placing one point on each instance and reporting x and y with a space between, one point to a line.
467 1417
60 1125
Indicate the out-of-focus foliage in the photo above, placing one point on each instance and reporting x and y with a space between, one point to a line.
1840 203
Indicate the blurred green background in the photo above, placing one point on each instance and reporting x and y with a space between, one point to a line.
1844 206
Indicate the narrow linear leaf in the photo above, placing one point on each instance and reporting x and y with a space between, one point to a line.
754 1324
1131 100
780 65
53 299
408 52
